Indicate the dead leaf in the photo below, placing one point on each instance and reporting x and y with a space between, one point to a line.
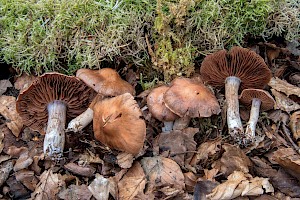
240 184
162 172
89 157
289 159
86 170
190 181
204 151
76 192
283 86
125 160
5 169
283 102
210 174
27 178
100 187
204 187
24 81
17 189
4 84
233 159
48 187
294 124
1 140
8 110
133 183
22 153
177 145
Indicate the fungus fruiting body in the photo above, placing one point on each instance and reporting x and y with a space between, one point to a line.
257 100
240 68
46 104
108 83
118 123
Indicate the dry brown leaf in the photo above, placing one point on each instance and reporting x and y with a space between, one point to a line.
289 159
202 188
205 150
178 144
162 172
233 159
8 110
74 192
4 84
283 102
86 170
1 140
210 174
190 180
133 183
49 185
17 189
27 178
22 153
89 157
294 124
125 160
5 169
100 187
240 184
24 81
283 86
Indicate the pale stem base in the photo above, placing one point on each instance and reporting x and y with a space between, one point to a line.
54 141
81 121
168 126
254 115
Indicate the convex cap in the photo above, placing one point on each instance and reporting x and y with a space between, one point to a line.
267 101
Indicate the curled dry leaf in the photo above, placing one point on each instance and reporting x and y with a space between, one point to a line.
5 169
22 153
89 157
283 102
190 181
78 191
27 178
289 159
204 187
283 86
100 187
24 81
162 172
133 183
240 184
233 159
8 110
86 170
17 189
4 84
294 124
125 160
49 185
179 144
204 151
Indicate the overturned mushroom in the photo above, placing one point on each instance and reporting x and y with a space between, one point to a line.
118 123
190 98
158 109
238 68
49 100
107 82
257 100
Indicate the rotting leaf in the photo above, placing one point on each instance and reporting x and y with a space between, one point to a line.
283 86
5 169
125 160
1 140
100 187
89 157
204 187
233 159
22 153
78 191
4 84
162 172
283 102
27 178
24 81
8 110
133 183
49 185
288 159
294 124
86 170
240 184
190 180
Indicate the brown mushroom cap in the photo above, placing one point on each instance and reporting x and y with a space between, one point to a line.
157 107
267 101
117 123
243 63
190 97
32 103
106 81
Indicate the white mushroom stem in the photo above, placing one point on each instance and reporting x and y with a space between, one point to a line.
81 121
168 126
234 122
54 141
254 114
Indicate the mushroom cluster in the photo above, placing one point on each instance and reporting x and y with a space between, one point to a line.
236 70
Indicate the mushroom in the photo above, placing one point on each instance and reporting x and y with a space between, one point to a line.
49 100
118 123
257 100
158 109
238 68
190 98
107 82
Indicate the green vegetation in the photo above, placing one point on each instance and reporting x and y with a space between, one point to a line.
64 35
